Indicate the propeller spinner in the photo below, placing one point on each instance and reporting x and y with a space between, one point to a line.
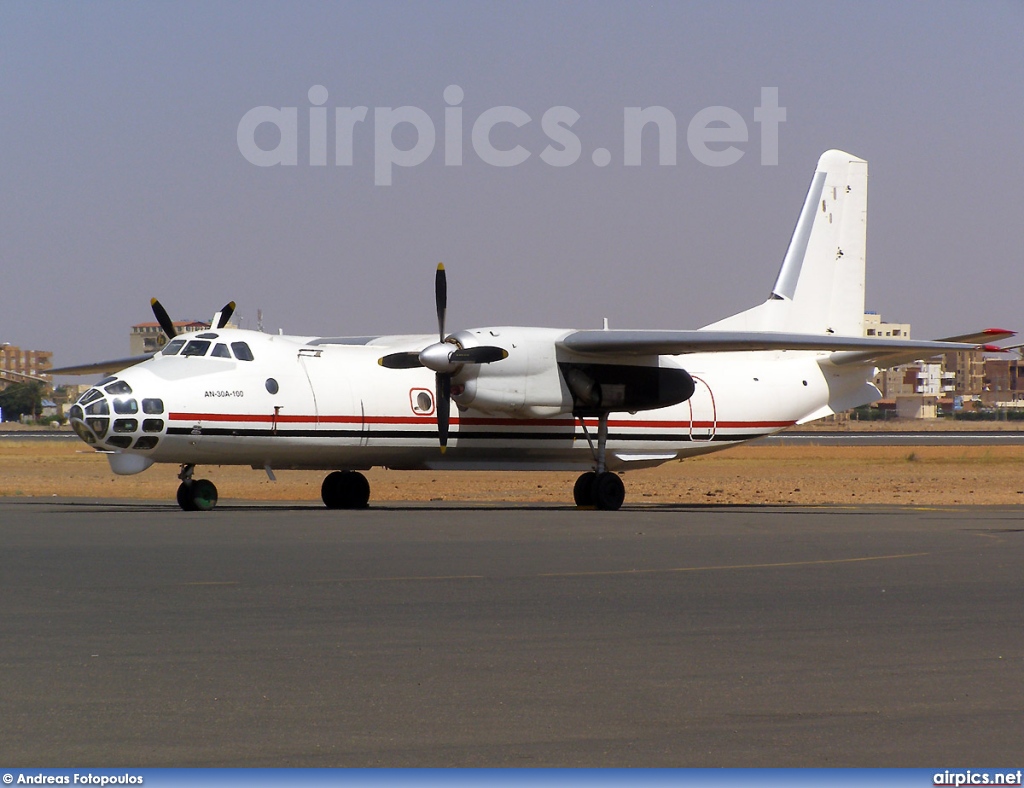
444 357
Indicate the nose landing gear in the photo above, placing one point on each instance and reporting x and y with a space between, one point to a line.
195 495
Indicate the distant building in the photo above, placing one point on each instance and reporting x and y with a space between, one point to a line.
874 327
968 368
149 337
1003 385
22 366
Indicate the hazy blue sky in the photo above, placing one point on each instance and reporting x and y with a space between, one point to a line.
123 179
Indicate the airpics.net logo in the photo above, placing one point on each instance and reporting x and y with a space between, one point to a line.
715 136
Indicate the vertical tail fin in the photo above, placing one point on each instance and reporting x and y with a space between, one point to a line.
820 286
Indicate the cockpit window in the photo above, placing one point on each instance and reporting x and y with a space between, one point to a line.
197 347
173 347
207 335
120 387
242 352
90 396
220 350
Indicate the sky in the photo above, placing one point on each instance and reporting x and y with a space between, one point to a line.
135 163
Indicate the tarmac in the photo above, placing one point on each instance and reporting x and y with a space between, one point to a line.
134 634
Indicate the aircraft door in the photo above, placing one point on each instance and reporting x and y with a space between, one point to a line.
703 416
337 410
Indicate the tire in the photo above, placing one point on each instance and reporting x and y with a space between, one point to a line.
345 490
203 495
184 496
583 490
609 492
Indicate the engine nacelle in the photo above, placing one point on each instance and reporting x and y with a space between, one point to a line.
602 388
533 382
526 384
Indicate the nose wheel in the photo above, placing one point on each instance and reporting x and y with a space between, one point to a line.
195 495
199 495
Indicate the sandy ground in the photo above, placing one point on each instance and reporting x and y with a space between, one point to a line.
748 474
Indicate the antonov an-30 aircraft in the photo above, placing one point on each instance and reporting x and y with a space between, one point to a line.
597 401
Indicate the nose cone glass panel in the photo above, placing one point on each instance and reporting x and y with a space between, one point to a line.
98 408
126 425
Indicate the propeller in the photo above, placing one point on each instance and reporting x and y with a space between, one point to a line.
219 320
163 318
444 357
225 314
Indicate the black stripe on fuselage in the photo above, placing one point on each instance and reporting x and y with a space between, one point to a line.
666 437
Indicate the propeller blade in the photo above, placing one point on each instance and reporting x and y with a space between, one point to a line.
163 318
483 354
400 361
443 404
440 298
225 314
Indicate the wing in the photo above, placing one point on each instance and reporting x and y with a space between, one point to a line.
104 367
845 350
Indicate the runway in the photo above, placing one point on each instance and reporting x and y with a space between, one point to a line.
134 634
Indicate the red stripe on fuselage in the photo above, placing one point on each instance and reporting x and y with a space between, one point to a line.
282 418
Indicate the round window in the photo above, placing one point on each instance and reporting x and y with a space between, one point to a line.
272 386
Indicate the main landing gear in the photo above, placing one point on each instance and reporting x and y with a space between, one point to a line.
195 495
345 490
600 488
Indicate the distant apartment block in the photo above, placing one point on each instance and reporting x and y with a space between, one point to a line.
21 366
149 337
874 327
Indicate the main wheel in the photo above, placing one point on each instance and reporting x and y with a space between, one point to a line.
345 490
185 496
583 490
198 495
609 492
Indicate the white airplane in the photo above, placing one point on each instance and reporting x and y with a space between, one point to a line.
598 401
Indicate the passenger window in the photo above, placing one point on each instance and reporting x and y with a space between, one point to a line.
152 406
173 347
242 352
124 406
220 350
197 347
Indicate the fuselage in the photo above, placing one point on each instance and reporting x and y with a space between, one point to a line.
235 397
